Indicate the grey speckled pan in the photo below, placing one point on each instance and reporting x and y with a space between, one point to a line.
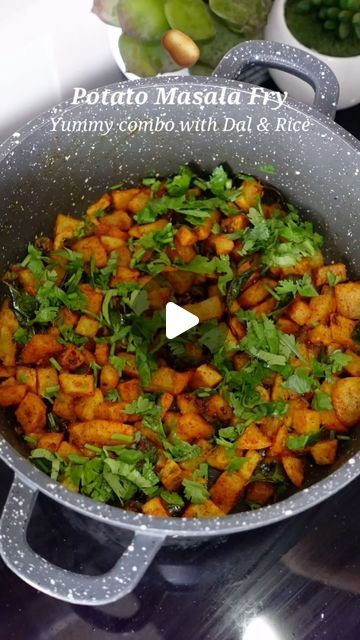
43 173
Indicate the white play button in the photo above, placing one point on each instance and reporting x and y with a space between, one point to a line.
178 320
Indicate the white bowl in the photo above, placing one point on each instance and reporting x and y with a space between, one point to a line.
347 70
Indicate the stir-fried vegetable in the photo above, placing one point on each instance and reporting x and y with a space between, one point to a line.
231 413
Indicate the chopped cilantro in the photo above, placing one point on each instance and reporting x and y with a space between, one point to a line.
194 491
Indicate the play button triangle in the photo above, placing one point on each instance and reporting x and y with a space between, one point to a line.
178 320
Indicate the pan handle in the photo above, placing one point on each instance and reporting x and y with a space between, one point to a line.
60 583
285 58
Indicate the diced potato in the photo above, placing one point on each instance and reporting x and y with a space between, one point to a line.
139 230
124 274
119 219
8 372
115 411
185 254
130 367
338 270
121 198
187 403
66 448
252 438
234 223
112 244
217 408
76 385
166 401
305 421
186 237
342 329
65 228
168 380
324 452
46 377
85 407
256 293
237 327
205 376
218 457
222 244
305 265
94 298
294 469
204 230
155 507
299 311
102 353
139 201
279 444
87 327
348 299
259 492
109 378
72 358
129 390
50 441
206 510
8 326
209 309
64 407
98 432
159 297
288 326
12 394
171 476
27 376
320 335
346 400
28 281
31 413
353 368
278 392
228 488
251 191
181 281
240 360
100 205
191 426
321 308
91 247
68 318
264 307
331 422
40 348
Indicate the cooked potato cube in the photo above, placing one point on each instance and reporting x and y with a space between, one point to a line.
331 422
345 397
168 380
192 427
64 406
294 469
324 452
8 326
171 475
206 510
115 411
130 368
234 223
256 293
129 390
299 311
139 230
46 377
288 326
279 444
27 376
65 449
228 488
320 335
353 368
251 191
217 408
85 407
342 329
222 244
40 348
155 507
259 492
218 457
109 378
139 201
94 298
348 299
186 237
187 403
102 352
122 197
50 441
31 413
252 438
321 308
12 394
166 401
76 385
92 248
87 327
209 309
305 421
72 358
100 205
65 228
98 432
337 270
205 376
119 219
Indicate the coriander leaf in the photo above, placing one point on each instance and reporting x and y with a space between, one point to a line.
172 498
180 450
99 278
321 401
138 301
22 336
150 412
194 491
296 443
180 183
213 338
303 287
118 363
333 279
338 360
300 381
236 463
112 395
